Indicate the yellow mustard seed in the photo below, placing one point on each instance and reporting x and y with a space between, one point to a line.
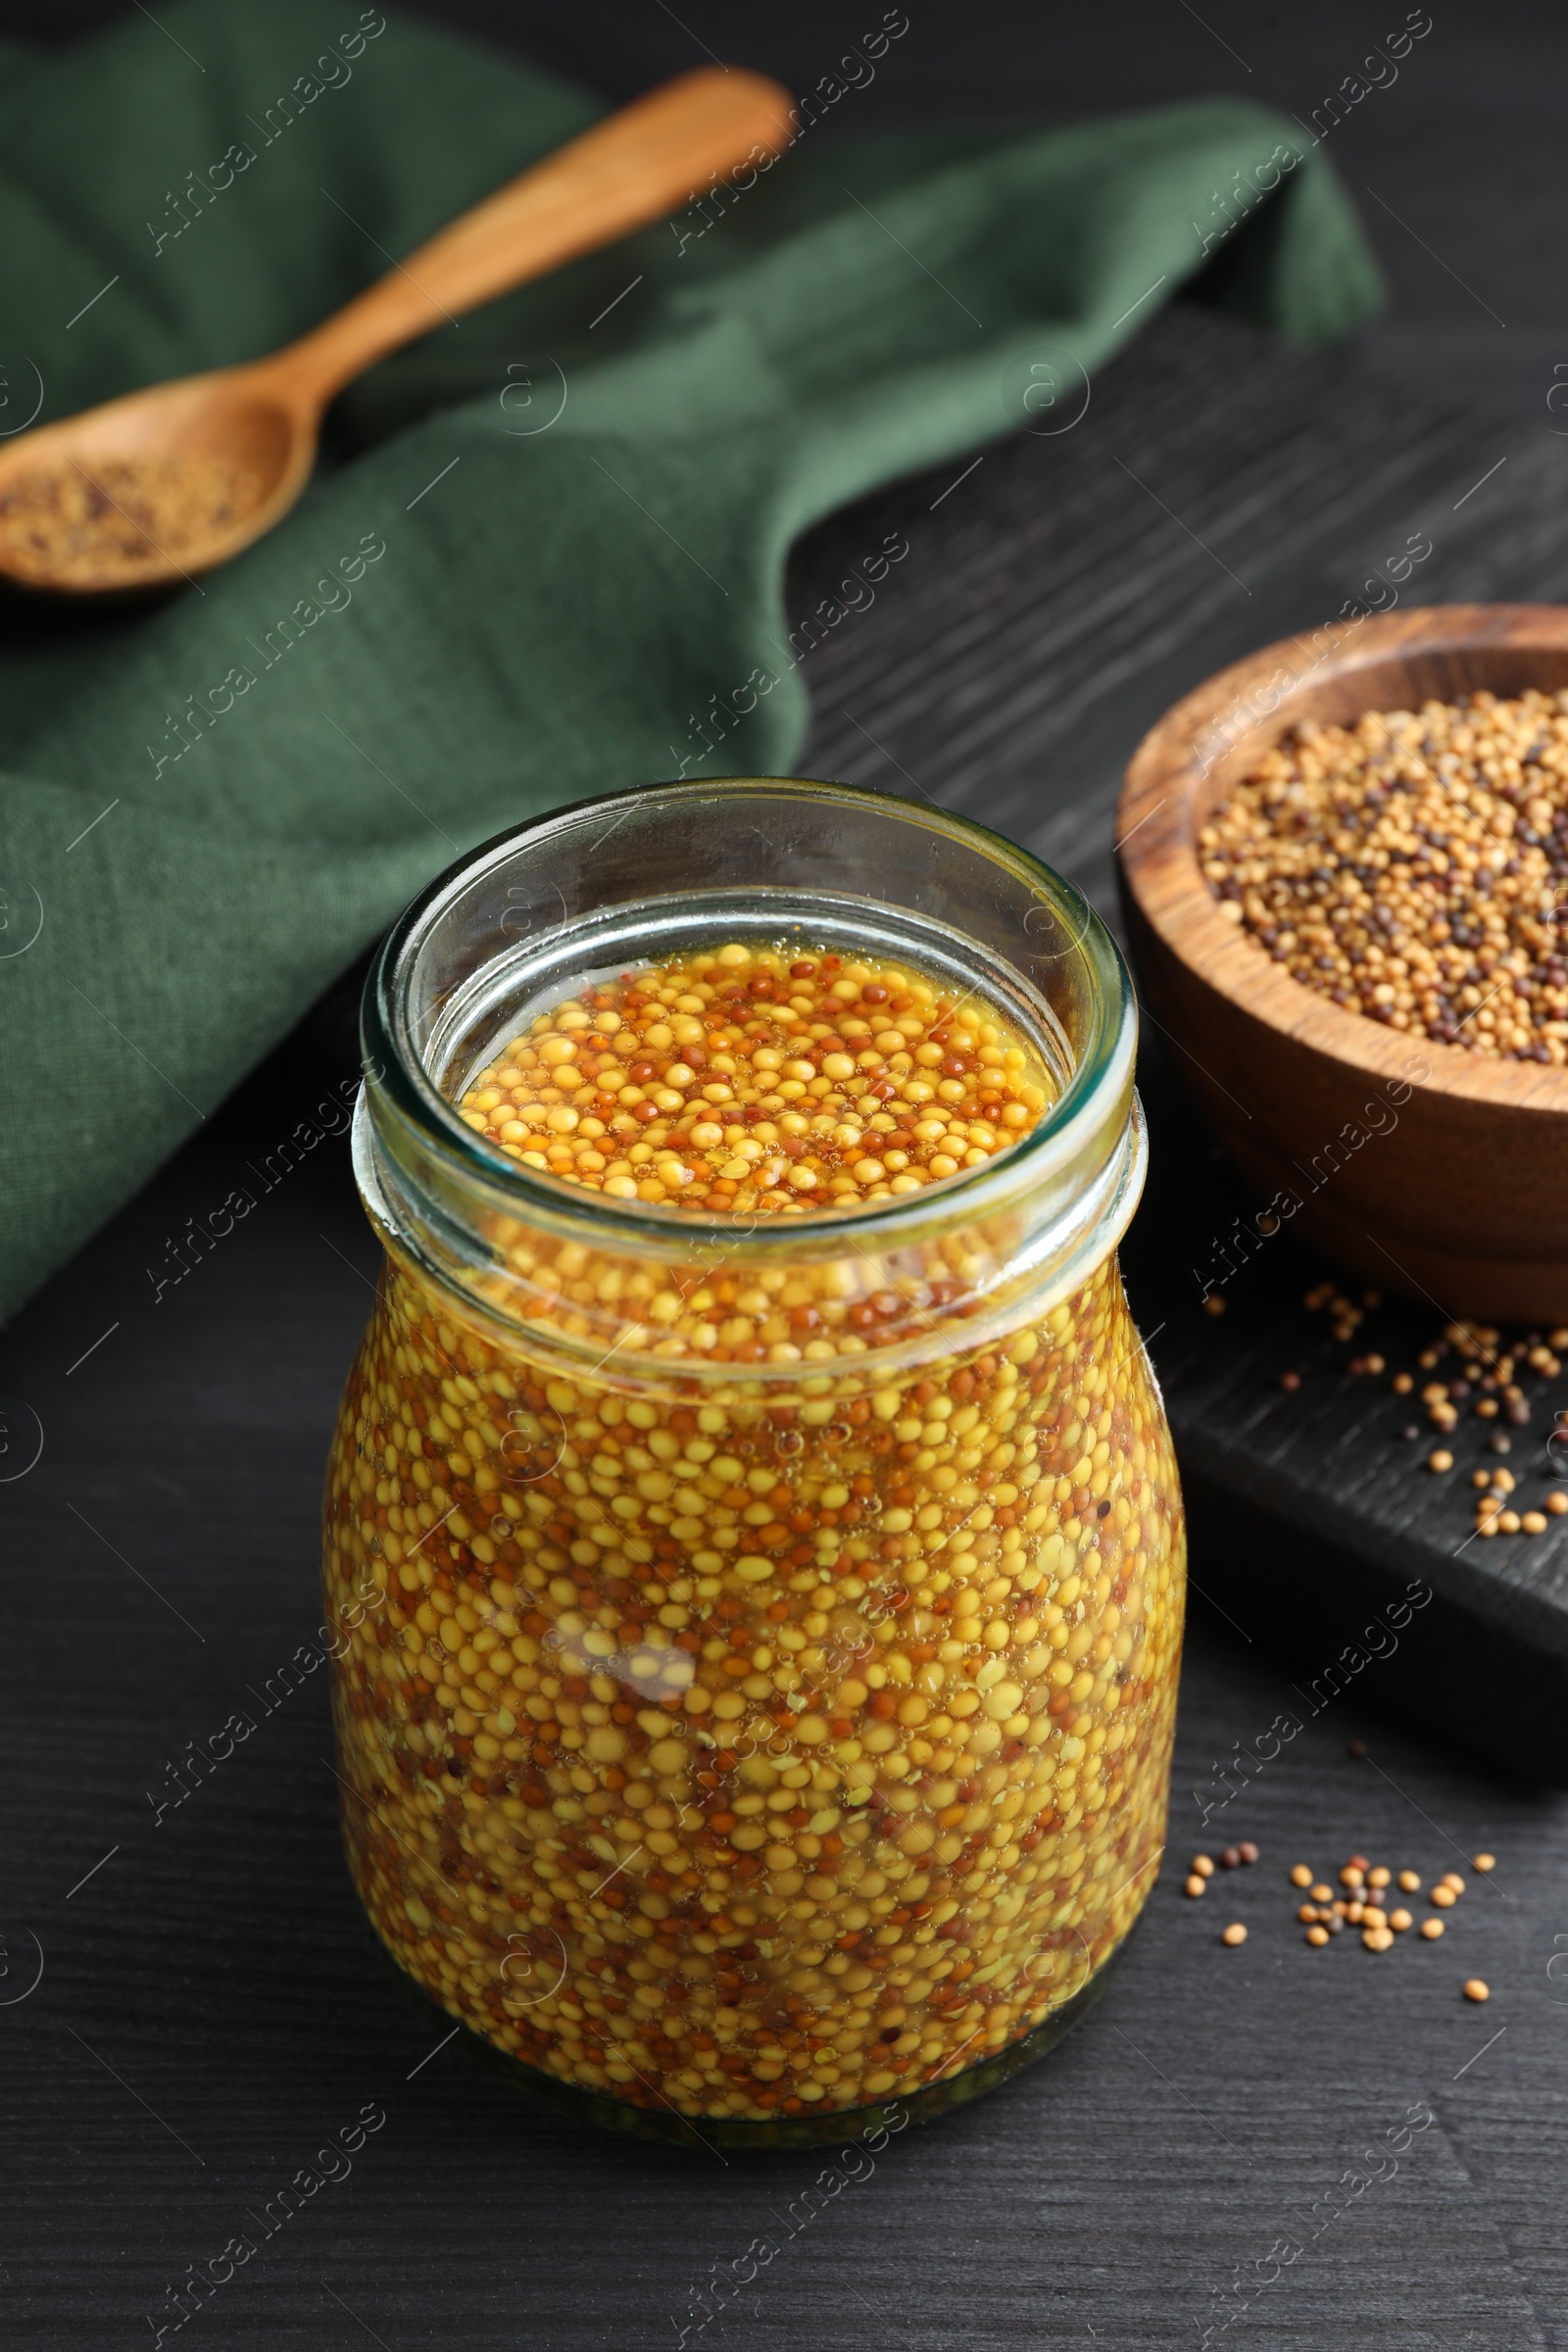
751 1749
785 1089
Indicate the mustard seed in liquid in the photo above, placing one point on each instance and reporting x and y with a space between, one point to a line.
771 1748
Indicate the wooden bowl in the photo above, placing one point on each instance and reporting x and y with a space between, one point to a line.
1423 1168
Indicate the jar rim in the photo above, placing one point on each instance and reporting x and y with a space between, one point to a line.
1100 1071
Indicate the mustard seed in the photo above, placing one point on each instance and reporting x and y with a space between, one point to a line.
1203 1865
1300 1876
1477 1989
1443 1897
1247 1849
729 1083
1318 1936
1235 1934
1439 1460
1400 1920
1431 1928
1407 866
1194 1884
633 1786
59 522
1483 1862
1411 1882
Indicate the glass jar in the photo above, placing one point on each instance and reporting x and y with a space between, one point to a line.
712 1830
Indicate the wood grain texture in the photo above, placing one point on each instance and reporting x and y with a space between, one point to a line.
1463 1197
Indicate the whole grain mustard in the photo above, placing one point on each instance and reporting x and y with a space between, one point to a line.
778 1747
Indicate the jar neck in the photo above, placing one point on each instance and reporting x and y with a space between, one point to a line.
582 1281
578 1297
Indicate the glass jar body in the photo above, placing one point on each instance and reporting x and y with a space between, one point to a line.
748 1758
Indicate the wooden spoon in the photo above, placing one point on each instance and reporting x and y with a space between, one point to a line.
166 484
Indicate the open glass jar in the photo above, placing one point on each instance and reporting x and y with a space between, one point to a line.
759 1633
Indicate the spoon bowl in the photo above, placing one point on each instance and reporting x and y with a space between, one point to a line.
156 486
165 483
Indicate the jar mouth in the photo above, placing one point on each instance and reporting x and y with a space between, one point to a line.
1051 963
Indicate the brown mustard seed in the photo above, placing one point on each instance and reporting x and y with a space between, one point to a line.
1431 1928
1300 1876
1477 1989
1318 1936
1231 1858
1235 1934
736 1082
1483 1862
1409 867
1247 1849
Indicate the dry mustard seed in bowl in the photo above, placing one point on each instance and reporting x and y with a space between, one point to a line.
1413 868
762 1600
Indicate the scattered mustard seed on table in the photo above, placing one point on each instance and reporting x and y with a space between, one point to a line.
1233 1934
1409 867
1476 1989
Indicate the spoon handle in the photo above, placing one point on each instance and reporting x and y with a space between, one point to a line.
633 168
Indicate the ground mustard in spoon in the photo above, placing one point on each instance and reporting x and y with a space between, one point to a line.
167 482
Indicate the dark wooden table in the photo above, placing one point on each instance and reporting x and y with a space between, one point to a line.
211 2009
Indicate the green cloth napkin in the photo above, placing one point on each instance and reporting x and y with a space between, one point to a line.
544 551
